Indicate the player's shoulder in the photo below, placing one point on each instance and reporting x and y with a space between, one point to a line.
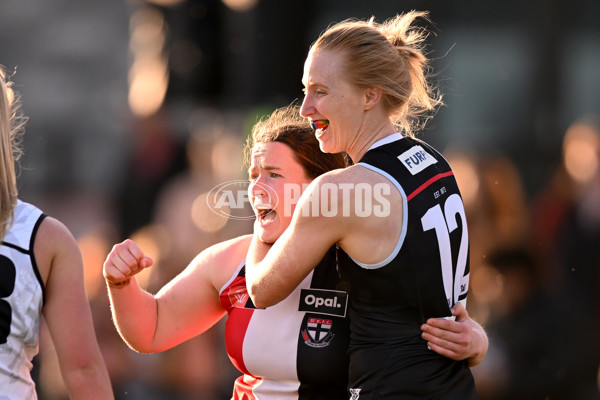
53 233
218 262
239 242
342 175
228 251
54 243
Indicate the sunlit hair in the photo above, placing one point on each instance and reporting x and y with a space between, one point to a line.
390 55
285 125
12 123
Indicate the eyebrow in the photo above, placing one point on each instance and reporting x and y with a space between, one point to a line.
266 167
270 167
316 85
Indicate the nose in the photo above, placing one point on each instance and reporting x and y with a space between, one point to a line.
306 109
257 188
260 191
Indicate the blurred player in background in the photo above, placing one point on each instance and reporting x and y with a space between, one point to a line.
41 274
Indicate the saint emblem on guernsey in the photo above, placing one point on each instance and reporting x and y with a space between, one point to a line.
237 293
317 332
354 394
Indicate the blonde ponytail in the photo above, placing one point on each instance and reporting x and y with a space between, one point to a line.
12 123
390 55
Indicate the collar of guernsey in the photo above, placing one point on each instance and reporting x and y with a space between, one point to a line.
388 139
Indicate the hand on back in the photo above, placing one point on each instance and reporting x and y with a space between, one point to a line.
460 339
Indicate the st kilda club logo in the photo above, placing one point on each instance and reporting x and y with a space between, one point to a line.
317 332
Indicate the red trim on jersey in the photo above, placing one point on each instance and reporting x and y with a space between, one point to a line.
233 299
242 389
427 183
234 340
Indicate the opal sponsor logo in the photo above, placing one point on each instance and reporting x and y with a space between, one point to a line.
329 302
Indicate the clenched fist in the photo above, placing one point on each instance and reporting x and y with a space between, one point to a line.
124 261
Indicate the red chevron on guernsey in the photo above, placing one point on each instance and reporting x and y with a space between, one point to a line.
428 183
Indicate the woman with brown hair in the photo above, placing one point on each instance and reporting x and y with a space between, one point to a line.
278 351
396 217
294 350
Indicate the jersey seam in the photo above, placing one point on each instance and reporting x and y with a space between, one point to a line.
34 265
403 232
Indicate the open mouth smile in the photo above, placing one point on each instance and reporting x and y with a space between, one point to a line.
321 124
266 214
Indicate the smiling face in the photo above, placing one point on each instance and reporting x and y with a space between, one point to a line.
272 166
330 96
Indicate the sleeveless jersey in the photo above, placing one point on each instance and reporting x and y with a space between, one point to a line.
21 301
425 275
295 349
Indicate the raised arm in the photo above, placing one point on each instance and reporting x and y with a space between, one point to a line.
326 214
134 310
68 315
185 307
290 259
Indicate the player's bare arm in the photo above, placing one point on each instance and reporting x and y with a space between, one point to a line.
68 314
152 323
326 214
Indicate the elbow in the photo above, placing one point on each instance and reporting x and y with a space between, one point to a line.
137 343
255 296
87 379
259 298
149 346
258 304
140 348
264 291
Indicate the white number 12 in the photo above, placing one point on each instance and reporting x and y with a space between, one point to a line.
444 223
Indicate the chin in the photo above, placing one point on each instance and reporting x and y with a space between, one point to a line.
327 148
324 148
267 238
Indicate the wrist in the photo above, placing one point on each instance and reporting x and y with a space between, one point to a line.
118 285
479 345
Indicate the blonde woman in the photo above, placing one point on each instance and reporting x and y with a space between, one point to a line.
396 217
41 275
296 350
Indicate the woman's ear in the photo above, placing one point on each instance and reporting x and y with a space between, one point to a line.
372 97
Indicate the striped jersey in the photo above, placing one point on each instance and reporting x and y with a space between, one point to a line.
423 277
295 349
21 302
